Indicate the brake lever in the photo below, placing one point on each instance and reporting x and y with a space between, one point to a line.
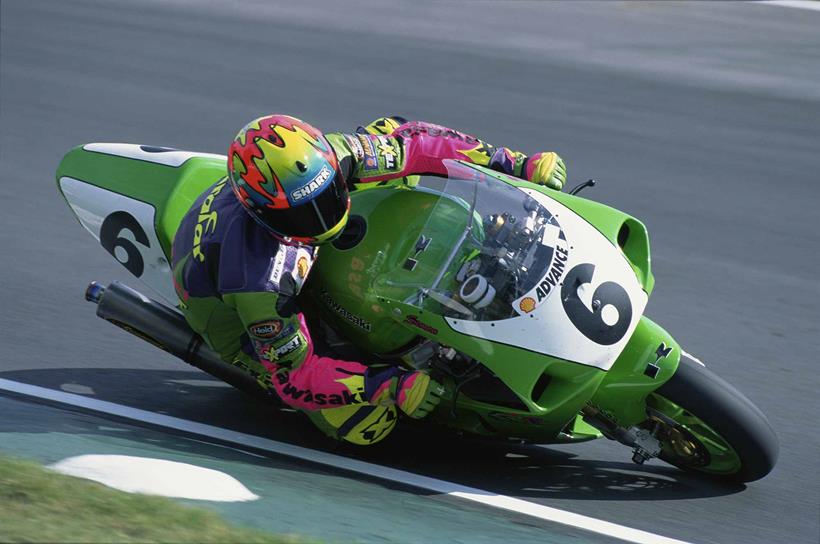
578 188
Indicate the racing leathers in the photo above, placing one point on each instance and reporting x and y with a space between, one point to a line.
238 285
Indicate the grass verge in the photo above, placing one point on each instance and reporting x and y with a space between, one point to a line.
38 505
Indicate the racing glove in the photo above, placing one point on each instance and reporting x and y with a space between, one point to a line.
547 169
415 393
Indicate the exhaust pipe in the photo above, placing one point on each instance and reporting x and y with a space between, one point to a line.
166 329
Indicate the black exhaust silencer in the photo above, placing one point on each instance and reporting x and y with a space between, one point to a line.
166 329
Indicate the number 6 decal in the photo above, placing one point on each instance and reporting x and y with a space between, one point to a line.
590 321
110 239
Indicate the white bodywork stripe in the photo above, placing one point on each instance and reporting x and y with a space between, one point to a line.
489 498
172 157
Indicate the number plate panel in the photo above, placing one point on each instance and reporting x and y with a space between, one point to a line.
125 228
590 313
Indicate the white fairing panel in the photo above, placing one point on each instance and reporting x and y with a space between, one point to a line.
585 308
125 228
157 155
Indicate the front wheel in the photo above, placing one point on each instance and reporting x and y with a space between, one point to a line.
706 425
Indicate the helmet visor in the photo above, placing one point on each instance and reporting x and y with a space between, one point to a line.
314 217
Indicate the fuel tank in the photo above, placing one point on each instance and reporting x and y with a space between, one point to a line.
377 258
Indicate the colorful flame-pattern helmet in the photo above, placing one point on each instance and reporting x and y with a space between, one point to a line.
287 176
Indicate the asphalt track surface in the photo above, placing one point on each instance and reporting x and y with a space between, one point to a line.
293 496
701 119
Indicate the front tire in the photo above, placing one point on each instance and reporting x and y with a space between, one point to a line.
706 425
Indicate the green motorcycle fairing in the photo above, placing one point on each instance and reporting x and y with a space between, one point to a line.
384 290
131 198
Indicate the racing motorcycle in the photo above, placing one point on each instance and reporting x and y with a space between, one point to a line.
526 301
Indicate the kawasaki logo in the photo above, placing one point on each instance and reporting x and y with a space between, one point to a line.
314 184
289 392
345 313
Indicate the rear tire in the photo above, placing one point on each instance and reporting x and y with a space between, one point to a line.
719 431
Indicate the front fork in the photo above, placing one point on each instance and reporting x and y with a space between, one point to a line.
642 441
618 407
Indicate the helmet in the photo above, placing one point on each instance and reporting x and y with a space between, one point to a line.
287 176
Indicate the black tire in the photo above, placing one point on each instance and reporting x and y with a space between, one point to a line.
729 413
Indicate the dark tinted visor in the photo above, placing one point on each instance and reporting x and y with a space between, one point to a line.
313 218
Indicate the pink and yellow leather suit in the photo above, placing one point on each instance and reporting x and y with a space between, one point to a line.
238 285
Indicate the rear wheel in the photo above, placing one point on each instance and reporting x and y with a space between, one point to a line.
706 425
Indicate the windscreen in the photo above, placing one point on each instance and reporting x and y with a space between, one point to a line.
504 240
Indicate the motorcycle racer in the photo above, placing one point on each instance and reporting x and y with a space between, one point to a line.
241 256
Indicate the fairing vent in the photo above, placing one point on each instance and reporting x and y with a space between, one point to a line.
634 243
540 387
352 234
490 389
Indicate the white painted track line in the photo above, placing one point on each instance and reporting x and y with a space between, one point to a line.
344 463
812 5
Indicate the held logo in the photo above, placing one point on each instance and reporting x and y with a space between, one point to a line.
312 186
266 329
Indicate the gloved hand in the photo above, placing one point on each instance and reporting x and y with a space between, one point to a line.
547 169
417 393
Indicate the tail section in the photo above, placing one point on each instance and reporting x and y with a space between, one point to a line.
131 198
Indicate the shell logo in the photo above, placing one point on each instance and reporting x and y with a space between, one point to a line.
302 267
527 304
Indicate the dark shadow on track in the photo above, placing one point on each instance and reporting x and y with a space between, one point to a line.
531 471
526 471
191 395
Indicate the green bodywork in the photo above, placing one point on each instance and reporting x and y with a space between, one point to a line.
170 190
367 281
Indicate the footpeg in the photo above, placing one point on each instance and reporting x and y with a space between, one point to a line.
640 456
646 445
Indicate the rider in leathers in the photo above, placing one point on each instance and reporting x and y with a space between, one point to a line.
246 247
